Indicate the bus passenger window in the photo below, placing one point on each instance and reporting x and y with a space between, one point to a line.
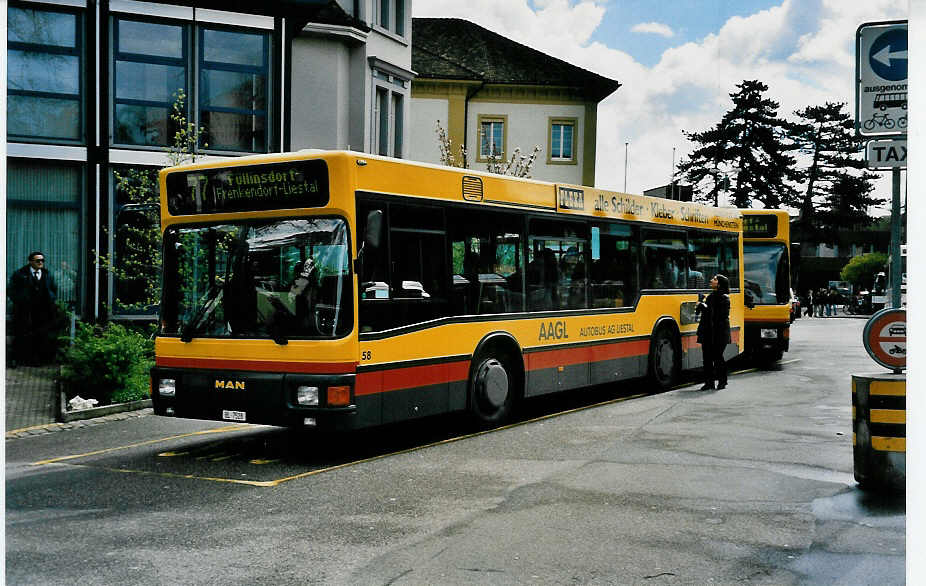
485 263
664 260
542 278
613 274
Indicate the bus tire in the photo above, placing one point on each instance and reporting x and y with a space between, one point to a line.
493 390
665 358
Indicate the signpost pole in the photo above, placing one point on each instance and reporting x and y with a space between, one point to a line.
896 269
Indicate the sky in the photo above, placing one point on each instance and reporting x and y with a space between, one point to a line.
678 61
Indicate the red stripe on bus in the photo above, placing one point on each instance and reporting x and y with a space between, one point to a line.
567 356
258 365
396 379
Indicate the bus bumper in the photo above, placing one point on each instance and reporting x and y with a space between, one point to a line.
323 401
768 337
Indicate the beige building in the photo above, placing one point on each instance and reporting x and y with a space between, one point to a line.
494 95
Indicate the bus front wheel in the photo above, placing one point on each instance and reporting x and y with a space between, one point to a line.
664 359
492 391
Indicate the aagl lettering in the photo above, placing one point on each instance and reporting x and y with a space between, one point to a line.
554 330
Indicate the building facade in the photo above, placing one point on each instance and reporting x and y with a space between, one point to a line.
494 95
91 86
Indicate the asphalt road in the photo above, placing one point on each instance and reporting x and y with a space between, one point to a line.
750 484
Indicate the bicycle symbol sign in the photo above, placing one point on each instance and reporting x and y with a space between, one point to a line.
881 70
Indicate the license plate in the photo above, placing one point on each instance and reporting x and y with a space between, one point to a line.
234 415
769 333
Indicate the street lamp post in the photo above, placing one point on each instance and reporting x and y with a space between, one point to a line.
626 150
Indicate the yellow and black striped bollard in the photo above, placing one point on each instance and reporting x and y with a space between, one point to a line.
879 430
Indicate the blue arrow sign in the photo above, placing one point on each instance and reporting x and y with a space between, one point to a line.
888 55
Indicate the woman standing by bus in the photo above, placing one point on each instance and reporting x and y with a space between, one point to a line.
714 332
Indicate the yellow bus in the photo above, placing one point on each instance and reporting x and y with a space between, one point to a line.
767 267
340 290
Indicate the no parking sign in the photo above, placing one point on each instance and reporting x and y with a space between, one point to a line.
885 338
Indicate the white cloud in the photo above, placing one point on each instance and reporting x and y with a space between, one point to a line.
656 28
803 50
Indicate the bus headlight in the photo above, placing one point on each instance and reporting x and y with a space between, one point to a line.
306 395
167 387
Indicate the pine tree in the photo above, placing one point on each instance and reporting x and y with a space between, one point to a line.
838 188
748 148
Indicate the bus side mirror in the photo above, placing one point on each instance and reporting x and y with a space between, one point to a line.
373 234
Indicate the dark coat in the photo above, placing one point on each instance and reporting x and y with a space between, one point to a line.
714 327
33 299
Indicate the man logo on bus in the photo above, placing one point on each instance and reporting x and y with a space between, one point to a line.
571 199
231 385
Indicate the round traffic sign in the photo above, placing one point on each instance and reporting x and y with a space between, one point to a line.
888 55
885 338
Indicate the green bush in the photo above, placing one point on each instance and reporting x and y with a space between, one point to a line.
108 363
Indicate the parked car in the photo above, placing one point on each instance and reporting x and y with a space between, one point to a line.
795 307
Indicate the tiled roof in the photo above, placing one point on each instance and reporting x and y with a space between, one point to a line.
452 48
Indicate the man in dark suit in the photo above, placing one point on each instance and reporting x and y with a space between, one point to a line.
33 292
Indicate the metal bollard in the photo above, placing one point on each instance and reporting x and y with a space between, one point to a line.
879 430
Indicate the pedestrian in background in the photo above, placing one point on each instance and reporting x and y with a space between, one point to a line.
33 292
714 332
808 307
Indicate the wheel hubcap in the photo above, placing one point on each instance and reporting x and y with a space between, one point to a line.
493 383
665 358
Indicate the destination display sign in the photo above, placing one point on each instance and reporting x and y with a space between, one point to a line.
293 184
639 207
756 226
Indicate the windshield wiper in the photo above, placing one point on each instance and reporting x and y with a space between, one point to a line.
192 327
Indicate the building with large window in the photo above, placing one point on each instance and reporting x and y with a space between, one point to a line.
494 95
92 83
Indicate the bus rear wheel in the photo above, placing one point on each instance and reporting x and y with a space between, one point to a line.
664 359
492 392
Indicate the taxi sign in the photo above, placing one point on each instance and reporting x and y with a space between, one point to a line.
885 338
886 154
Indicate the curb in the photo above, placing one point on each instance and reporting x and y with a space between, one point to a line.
53 427
65 416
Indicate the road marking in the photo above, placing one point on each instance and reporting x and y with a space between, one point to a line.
139 444
278 481
451 440
261 483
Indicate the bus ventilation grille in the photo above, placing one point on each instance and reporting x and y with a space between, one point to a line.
472 188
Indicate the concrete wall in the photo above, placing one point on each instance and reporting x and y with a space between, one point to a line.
321 94
425 112
528 125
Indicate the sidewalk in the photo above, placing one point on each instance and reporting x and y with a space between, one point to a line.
30 396
31 406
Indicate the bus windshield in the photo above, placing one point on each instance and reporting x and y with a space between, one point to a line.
766 273
276 279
